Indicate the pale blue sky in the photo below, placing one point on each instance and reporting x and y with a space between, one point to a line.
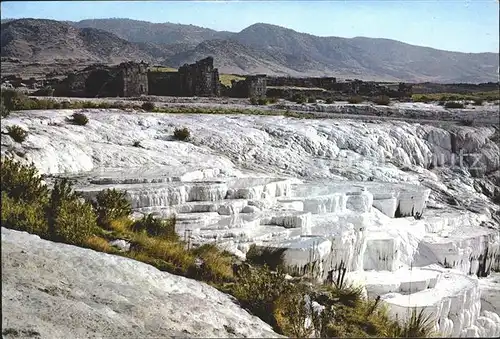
458 25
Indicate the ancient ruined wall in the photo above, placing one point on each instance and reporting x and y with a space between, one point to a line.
164 83
257 85
326 82
126 79
199 79
135 79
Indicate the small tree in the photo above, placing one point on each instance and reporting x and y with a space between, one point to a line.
22 182
111 204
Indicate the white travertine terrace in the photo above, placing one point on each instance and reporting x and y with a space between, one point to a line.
327 193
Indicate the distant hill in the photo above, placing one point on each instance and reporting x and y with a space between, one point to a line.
48 40
259 48
158 33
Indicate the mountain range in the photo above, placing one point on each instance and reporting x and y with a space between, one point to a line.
259 48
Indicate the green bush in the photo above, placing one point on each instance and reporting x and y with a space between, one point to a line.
17 133
23 216
15 100
74 222
79 119
111 204
453 104
382 100
182 134
148 106
272 100
22 182
355 100
156 227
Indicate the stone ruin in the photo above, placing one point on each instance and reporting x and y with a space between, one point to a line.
326 82
127 79
254 86
198 79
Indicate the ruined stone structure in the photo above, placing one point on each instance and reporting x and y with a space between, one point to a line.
125 80
164 83
326 82
252 86
135 78
199 79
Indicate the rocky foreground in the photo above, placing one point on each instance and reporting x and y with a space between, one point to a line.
52 290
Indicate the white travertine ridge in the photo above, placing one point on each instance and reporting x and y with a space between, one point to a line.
386 201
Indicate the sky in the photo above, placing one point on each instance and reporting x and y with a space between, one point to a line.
456 25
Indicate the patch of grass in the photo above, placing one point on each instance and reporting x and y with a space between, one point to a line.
428 97
173 255
17 133
98 244
182 134
355 100
216 265
418 325
226 79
